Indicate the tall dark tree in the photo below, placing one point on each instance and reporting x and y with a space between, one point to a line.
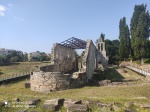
140 30
112 48
102 36
124 36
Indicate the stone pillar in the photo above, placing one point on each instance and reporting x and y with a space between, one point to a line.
104 46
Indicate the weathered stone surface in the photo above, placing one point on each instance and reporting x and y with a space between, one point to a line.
71 101
27 85
77 108
130 110
50 78
104 82
145 106
64 58
16 99
54 102
2 104
50 107
90 102
33 111
129 104
117 107
34 101
104 104
21 111
48 81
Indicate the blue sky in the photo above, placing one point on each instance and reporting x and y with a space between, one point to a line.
34 25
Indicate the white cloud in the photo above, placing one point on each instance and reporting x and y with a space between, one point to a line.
2 9
19 19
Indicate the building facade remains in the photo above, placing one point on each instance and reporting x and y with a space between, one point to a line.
63 60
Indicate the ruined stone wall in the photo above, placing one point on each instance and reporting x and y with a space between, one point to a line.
92 59
54 81
51 78
78 79
47 68
63 58
48 81
89 59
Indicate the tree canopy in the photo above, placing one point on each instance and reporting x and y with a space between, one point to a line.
140 31
124 36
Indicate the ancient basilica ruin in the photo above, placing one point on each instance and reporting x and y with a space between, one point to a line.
56 76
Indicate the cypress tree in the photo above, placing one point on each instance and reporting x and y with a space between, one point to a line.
102 36
124 36
140 24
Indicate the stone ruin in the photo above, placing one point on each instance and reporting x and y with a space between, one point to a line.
54 77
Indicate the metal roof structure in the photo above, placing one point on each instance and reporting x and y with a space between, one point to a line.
74 43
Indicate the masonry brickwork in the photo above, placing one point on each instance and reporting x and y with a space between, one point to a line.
52 77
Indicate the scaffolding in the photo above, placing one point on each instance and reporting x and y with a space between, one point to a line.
74 43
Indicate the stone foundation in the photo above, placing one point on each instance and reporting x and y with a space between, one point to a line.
48 81
54 81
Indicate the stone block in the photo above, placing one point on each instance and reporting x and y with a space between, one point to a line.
2 104
129 104
104 82
27 85
116 107
104 104
21 111
55 102
77 108
16 99
50 107
145 106
71 101
33 111
34 101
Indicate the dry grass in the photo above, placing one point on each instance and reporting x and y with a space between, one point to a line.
19 68
135 93
105 93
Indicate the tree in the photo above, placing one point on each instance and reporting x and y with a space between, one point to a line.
112 48
25 56
44 57
140 31
102 36
124 36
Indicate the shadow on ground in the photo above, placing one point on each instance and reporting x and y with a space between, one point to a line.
109 74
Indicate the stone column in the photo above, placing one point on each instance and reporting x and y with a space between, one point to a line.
104 46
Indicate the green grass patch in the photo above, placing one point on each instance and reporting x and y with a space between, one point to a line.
109 74
147 61
121 94
19 68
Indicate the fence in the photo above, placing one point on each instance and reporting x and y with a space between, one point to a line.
143 72
14 76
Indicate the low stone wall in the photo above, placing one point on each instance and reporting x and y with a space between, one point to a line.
47 68
52 81
48 81
78 79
